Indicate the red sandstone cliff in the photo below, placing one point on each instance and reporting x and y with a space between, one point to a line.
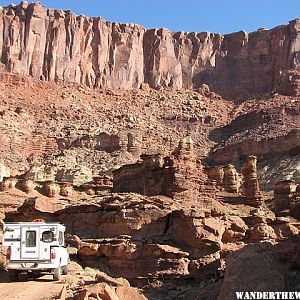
58 45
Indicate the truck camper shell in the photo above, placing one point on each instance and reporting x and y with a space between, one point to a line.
34 246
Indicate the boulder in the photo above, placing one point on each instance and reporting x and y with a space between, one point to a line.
235 229
103 277
106 292
102 290
255 268
285 230
260 232
205 266
73 241
125 292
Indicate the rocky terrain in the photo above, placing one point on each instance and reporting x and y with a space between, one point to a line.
172 158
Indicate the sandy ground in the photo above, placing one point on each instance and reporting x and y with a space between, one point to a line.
28 288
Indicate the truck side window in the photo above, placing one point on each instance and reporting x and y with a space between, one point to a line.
61 238
47 236
30 238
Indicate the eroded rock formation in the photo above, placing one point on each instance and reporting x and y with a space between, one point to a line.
217 174
66 189
58 45
41 173
120 235
8 183
140 237
179 176
230 179
28 185
51 189
251 186
77 176
283 193
145 177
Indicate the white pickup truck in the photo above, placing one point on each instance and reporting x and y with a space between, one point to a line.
35 247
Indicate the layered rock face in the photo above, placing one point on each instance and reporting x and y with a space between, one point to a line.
58 45
138 236
141 237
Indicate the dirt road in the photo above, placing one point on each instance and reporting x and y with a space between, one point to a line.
28 288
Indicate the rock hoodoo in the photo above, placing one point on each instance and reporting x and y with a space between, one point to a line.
185 149
28 185
217 174
66 189
251 186
51 189
8 183
231 184
285 194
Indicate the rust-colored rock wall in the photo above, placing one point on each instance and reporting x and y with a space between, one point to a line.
58 45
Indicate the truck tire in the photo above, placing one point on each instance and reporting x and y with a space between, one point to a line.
64 270
57 273
13 275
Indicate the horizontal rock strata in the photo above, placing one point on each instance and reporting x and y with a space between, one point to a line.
58 45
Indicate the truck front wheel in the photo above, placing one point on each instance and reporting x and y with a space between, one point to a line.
57 273
13 275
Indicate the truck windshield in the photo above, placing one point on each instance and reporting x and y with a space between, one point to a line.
47 236
30 238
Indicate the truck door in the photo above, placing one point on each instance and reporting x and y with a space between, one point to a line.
30 242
